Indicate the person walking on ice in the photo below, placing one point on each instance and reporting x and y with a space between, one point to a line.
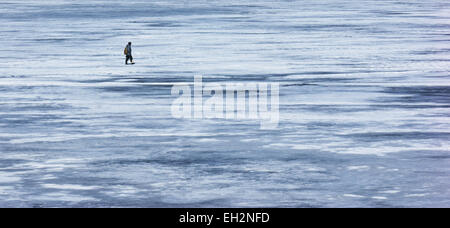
127 53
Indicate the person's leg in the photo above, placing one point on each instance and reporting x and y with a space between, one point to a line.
131 58
126 59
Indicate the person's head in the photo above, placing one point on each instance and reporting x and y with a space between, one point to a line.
129 43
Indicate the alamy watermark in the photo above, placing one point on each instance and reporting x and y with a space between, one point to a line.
239 101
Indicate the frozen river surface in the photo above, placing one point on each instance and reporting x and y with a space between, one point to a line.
364 104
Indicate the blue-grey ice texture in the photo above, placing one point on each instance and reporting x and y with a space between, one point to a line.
364 113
